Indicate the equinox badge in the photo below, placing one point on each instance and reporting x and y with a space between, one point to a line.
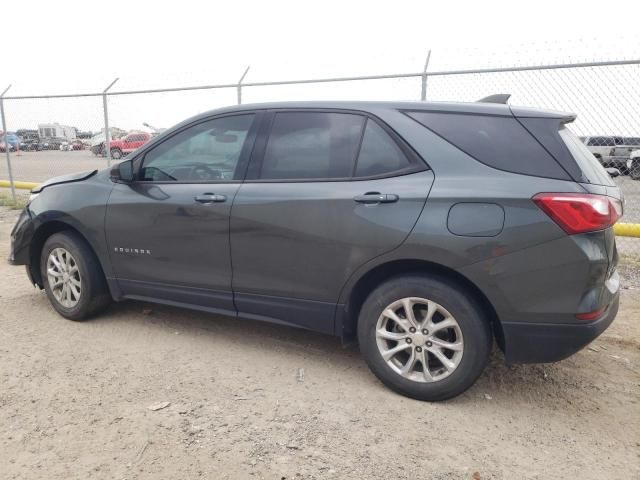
134 251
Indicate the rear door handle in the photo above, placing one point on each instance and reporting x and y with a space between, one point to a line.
373 198
210 198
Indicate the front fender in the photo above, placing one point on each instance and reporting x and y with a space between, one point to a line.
80 206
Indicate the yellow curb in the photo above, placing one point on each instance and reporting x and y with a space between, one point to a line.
20 185
627 229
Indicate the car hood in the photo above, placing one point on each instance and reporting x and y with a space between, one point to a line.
73 177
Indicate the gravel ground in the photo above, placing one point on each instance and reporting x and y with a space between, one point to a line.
146 391
631 190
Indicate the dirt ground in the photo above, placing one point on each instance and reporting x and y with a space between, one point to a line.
250 400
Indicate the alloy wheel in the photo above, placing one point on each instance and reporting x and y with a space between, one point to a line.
419 339
64 278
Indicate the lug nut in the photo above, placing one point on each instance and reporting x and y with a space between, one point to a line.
418 349
412 330
429 344
425 331
408 340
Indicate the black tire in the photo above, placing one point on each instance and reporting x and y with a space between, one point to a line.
634 171
474 325
116 154
94 293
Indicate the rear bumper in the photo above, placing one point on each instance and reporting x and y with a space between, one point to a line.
544 342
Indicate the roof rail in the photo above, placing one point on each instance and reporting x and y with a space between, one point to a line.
497 98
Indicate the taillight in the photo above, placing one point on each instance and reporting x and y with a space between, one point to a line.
580 212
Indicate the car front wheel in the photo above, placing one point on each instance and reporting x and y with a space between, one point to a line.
116 154
424 337
72 276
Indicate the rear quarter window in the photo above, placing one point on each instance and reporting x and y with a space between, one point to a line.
497 141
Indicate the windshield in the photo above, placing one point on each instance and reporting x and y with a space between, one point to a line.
591 168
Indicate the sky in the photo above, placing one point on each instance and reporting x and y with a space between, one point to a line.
81 46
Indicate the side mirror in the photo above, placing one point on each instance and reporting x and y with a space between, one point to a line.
123 172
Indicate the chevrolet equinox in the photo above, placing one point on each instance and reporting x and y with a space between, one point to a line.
422 230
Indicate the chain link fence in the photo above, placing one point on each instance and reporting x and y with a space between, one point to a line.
58 134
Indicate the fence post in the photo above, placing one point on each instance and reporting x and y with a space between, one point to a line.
6 144
107 133
423 93
240 85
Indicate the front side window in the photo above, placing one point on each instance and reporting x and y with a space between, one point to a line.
206 152
312 145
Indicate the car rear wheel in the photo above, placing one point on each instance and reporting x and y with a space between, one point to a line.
116 154
72 277
424 337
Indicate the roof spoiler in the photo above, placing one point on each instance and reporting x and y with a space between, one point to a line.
497 98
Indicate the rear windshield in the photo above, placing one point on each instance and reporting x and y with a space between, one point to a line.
591 168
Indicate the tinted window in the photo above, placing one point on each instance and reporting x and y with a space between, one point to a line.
207 152
379 154
591 168
632 141
499 142
307 145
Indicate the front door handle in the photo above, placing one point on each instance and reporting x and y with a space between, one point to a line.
210 198
373 198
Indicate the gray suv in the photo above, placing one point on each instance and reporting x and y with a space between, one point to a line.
422 230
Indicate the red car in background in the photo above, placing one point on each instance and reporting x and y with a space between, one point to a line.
125 145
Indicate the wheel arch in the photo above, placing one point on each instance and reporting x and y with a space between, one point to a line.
347 318
40 236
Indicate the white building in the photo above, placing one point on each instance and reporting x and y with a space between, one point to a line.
48 130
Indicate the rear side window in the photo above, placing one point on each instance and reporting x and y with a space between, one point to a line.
312 145
379 153
499 142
